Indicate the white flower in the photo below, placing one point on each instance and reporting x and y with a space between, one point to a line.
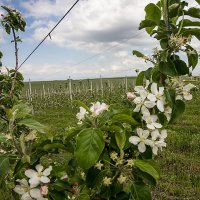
80 116
151 121
156 135
157 96
28 192
39 176
97 108
142 140
186 91
156 145
141 102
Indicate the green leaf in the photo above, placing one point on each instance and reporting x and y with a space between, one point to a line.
141 191
21 110
187 22
147 167
174 10
191 31
193 12
192 56
120 139
140 78
167 68
89 146
181 67
147 73
164 43
33 124
48 147
83 197
170 95
60 185
146 24
4 168
153 13
138 54
57 195
123 118
178 110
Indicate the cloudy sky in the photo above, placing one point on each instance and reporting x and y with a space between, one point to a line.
96 38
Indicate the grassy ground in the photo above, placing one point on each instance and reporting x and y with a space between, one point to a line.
180 163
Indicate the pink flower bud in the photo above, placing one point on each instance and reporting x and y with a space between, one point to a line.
44 190
130 95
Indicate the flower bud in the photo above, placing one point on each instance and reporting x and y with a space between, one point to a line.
130 95
44 190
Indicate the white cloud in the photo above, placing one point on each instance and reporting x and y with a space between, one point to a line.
92 25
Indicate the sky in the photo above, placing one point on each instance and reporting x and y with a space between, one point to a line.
95 39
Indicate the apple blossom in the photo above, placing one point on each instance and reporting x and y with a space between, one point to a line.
142 140
28 192
97 108
157 96
80 116
39 176
141 102
151 121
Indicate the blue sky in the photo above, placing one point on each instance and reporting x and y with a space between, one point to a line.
91 27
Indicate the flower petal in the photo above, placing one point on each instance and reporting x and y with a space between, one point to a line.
26 196
39 168
34 181
160 105
35 193
155 150
154 89
134 140
151 126
188 87
19 189
151 97
155 134
30 173
47 171
23 182
187 96
157 125
137 108
143 94
149 104
137 100
163 134
161 90
145 111
139 88
145 134
141 147
44 179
